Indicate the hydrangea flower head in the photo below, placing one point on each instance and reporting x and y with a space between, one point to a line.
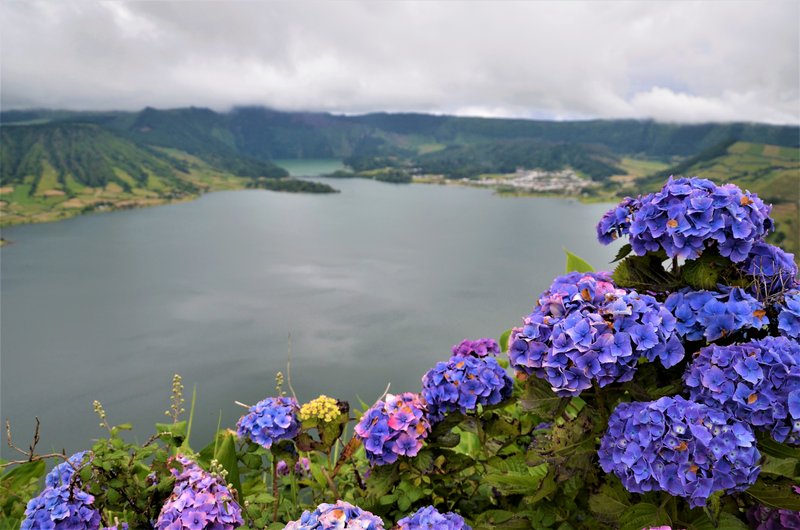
771 269
463 383
715 314
61 507
684 448
199 501
323 408
395 427
584 329
335 517
269 421
789 314
476 348
754 382
429 518
62 473
765 518
687 216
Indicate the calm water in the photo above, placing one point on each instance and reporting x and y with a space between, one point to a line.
374 284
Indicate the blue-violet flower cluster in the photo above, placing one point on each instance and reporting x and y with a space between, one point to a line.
61 507
771 270
335 517
62 473
429 518
789 314
687 216
684 448
199 501
476 348
392 428
765 518
757 382
463 383
715 314
270 420
586 329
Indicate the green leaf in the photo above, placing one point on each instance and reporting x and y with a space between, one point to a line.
226 456
768 446
609 503
775 495
512 478
700 274
503 342
781 467
623 251
538 397
21 475
576 264
727 521
643 515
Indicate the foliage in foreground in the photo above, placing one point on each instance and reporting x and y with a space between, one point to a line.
666 393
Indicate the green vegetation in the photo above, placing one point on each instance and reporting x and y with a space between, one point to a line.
291 185
385 174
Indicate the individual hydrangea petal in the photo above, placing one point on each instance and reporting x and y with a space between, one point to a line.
687 216
712 315
62 473
429 518
684 448
269 421
199 501
463 383
395 427
757 382
584 329
336 516
476 348
61 507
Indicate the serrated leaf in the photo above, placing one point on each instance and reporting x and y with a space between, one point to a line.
609 503
781 467
577 264
623 251
643 515
775 495
727 521
516 481
538 397
768 446
700 274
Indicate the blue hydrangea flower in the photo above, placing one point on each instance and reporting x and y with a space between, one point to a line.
62 473
199 501
789 314
429 518
269 421
765 518
687 216
335 517
585 329
771 270
684 448
754 382
463 383
476 348
617 221
392 428
61 507
715 314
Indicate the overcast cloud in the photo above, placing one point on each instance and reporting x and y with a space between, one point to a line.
672 61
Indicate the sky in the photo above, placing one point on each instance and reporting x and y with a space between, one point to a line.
678 61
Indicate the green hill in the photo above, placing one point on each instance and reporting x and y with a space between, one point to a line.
771 171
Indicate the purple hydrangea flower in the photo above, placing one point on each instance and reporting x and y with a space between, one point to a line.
771 269
617 221
392 428
715 314
282 469
476 348
765 518
335 516
199 501
62 473
269 421
689 215
61 507
687 449
429 518
754 382
789 314
463 383
584 328
302 466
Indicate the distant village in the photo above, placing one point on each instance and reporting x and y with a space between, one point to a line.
536 180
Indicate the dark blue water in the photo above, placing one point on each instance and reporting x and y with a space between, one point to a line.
374 284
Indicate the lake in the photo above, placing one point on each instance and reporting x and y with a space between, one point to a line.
374 284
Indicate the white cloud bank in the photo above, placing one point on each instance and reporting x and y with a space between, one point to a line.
672 61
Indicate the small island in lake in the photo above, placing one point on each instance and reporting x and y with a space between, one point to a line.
291 185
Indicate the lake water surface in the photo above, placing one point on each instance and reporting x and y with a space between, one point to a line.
374 284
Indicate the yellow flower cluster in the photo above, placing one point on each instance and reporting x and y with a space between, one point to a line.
323 408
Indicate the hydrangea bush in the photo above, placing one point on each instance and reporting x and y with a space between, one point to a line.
664 394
